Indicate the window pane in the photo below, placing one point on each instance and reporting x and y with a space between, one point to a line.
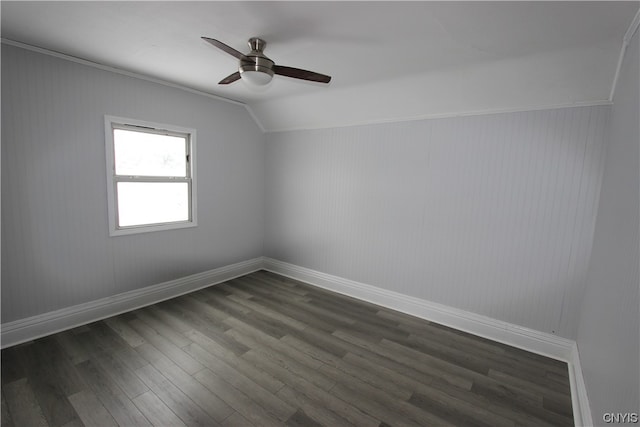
149 154
142 203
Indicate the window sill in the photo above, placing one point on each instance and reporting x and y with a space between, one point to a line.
151 228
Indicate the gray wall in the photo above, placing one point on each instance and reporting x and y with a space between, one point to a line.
56 251
492 214
609 328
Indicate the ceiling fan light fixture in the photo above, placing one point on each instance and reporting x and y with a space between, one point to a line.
256 77
256 70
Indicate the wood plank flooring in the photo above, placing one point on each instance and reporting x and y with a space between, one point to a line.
264 350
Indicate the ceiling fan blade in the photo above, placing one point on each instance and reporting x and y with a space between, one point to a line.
297 73
231 51
230 78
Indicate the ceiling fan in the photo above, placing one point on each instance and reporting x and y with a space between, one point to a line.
257 69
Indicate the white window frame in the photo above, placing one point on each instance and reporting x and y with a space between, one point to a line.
113 122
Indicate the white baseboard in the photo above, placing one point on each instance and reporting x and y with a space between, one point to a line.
30 328
495 330
527 339
579 398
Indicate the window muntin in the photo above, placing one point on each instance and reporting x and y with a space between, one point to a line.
150 176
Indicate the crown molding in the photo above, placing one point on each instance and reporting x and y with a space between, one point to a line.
446 116
633 27
121 71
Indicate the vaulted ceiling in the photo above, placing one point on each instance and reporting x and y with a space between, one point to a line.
389 60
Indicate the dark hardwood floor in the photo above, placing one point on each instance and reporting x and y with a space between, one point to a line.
266 350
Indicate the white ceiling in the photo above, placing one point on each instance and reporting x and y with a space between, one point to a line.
389 60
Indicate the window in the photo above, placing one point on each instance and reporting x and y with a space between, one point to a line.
150 176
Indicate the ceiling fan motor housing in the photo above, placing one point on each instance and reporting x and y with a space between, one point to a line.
256 60
256 63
